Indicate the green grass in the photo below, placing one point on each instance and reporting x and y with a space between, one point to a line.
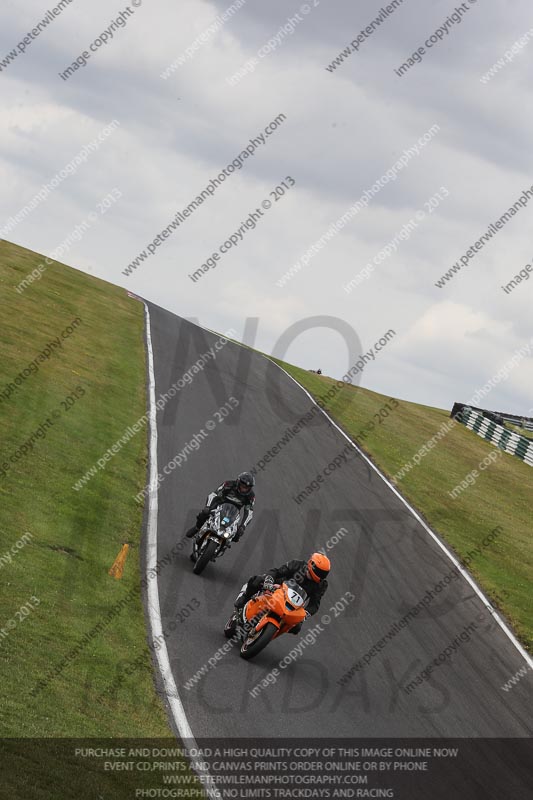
76 535
500 496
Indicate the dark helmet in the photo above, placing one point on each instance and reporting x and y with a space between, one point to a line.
245 483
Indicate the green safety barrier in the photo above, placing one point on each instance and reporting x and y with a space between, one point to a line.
510 442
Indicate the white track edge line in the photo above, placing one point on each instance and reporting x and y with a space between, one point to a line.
426 527
154 609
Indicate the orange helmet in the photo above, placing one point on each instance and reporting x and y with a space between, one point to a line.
318 567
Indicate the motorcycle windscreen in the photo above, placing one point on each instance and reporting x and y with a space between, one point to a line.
228 514
296 594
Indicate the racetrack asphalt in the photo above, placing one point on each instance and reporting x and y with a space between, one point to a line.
384 557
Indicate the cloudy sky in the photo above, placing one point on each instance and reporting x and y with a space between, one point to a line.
343 129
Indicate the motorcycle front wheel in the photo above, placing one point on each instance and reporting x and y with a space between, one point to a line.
207 554
250 649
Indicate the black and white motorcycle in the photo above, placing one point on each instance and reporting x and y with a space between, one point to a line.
215 536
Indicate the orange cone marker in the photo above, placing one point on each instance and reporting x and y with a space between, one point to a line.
118 565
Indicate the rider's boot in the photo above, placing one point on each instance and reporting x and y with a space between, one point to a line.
240 600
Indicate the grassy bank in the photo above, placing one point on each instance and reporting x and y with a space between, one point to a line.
55 587
501 495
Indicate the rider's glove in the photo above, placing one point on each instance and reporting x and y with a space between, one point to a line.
268 584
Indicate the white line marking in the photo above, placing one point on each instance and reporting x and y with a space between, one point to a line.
154 609
426 527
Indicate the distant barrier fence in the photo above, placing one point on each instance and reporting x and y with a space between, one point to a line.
484 425
520 422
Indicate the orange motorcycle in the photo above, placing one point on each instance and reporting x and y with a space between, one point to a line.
266 616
